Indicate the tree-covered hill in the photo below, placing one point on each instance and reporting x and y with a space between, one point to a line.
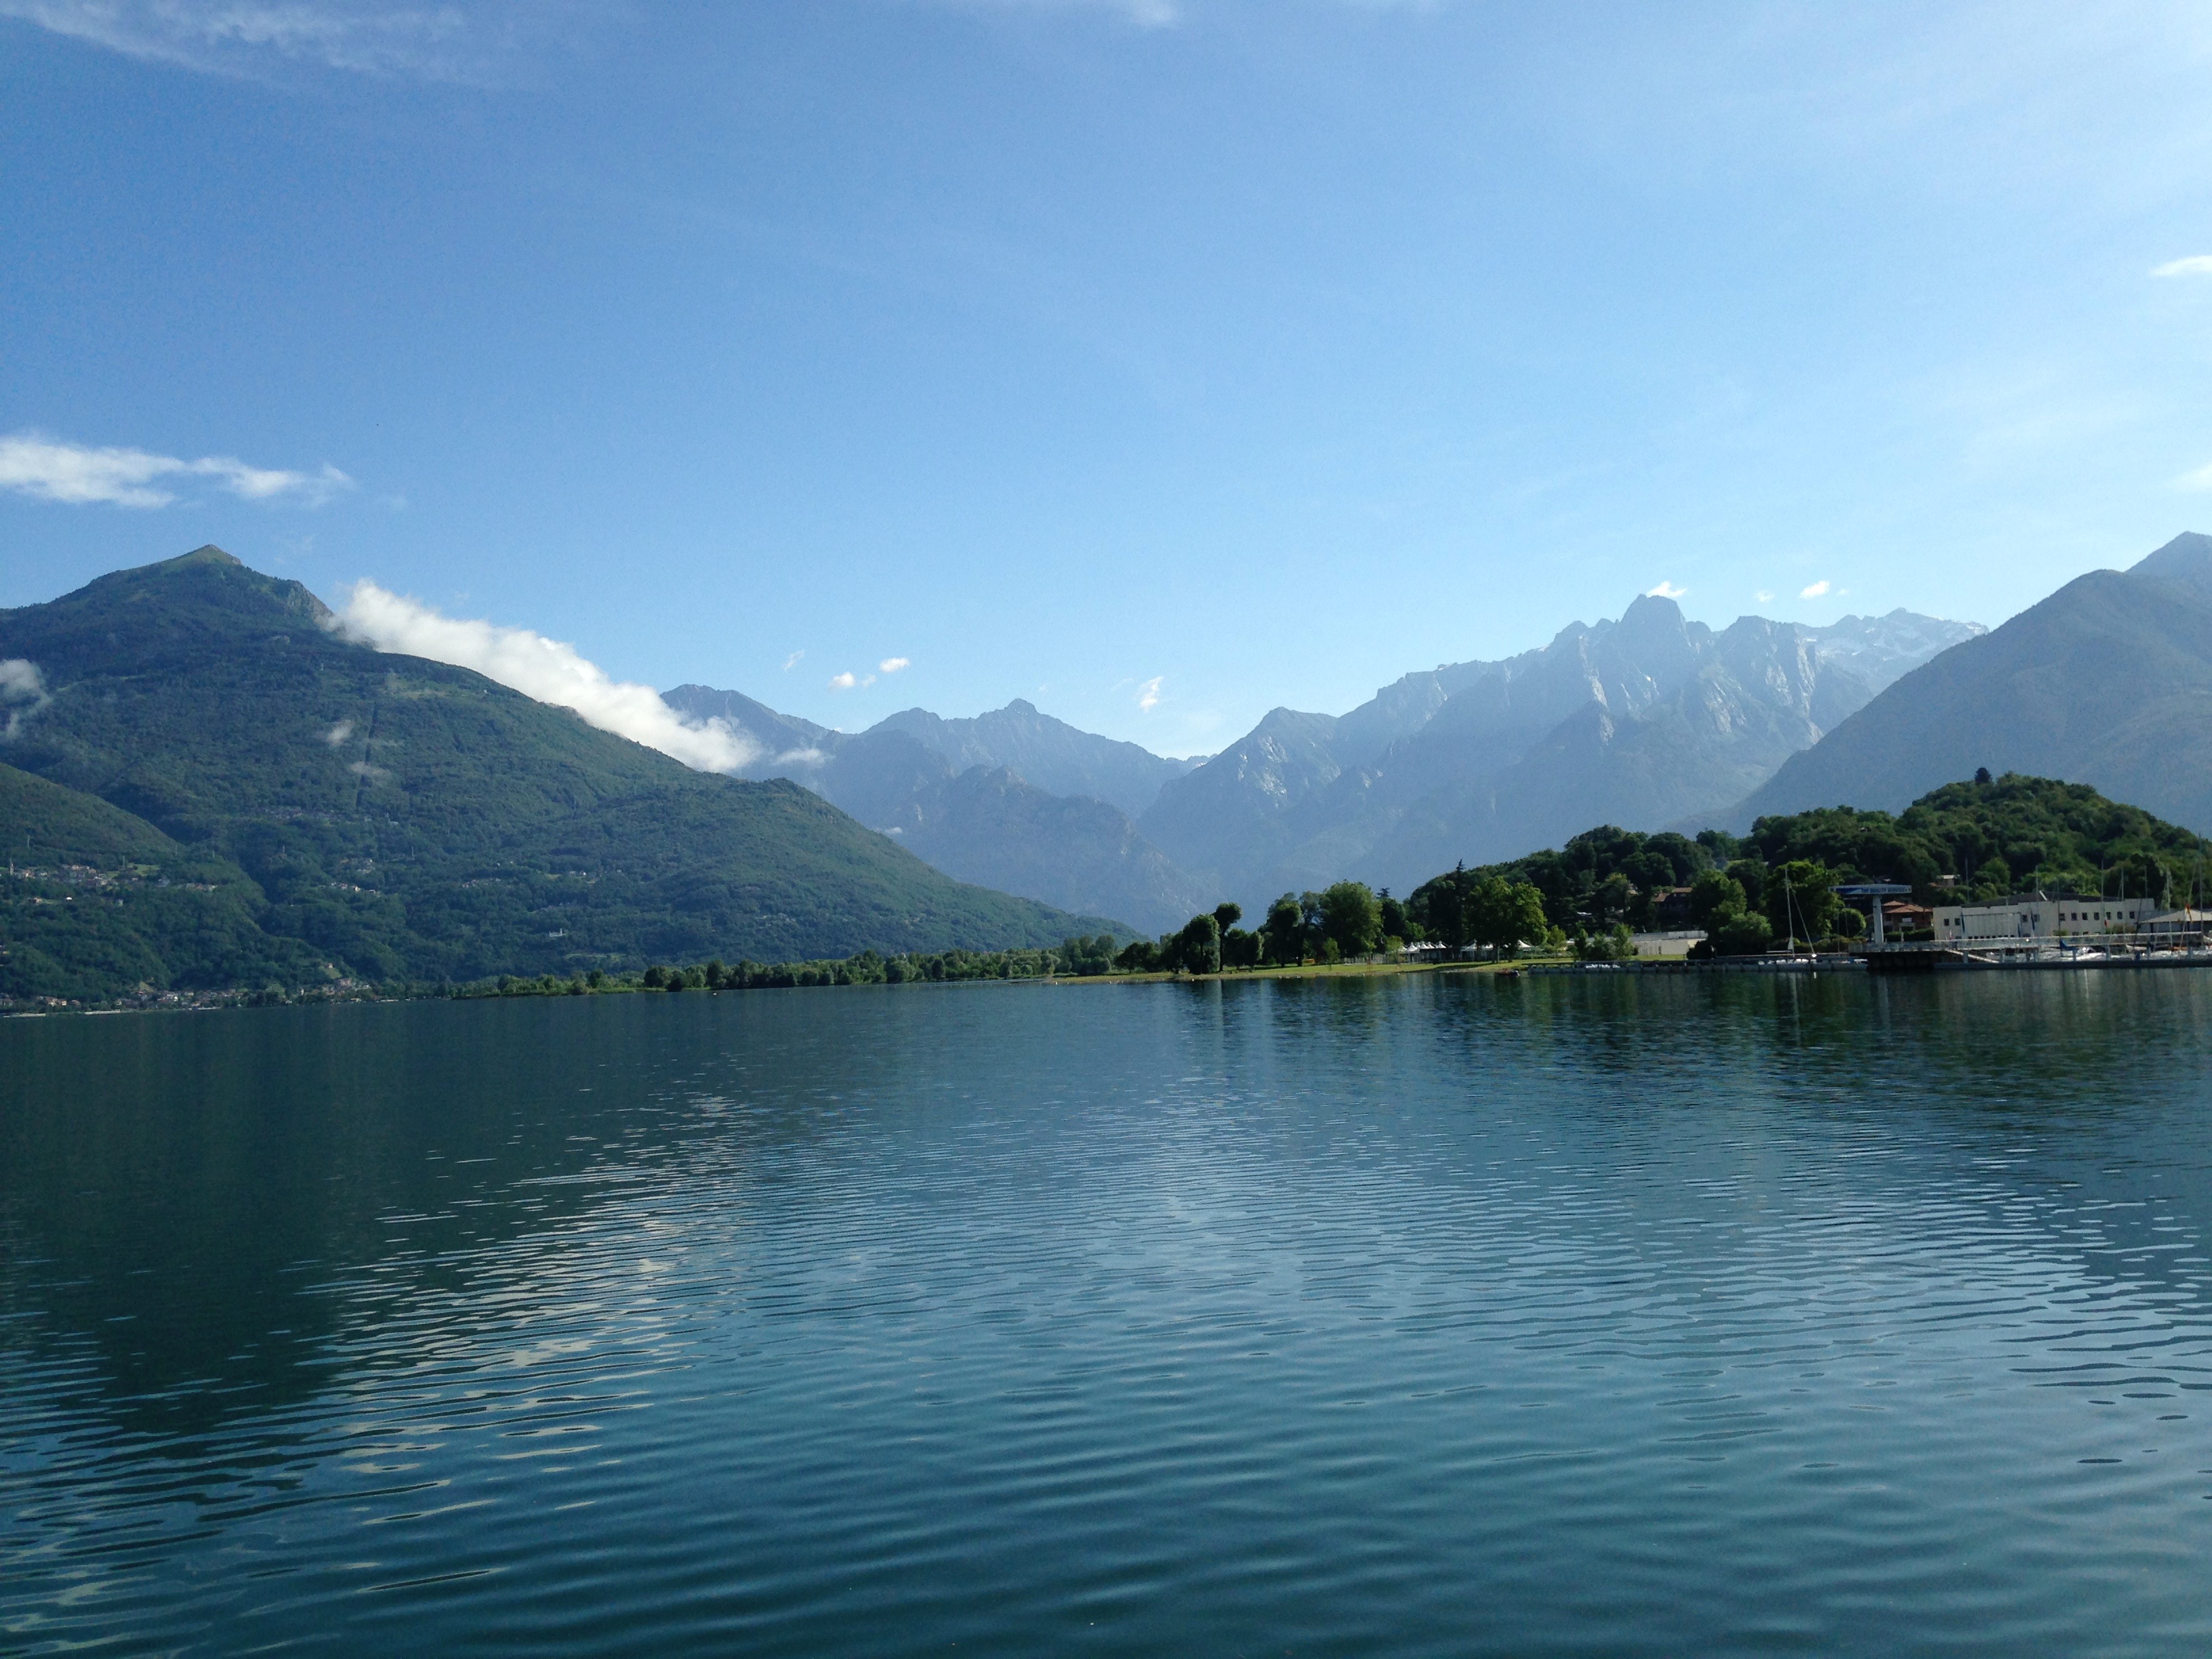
1989 837
383 817
1996 837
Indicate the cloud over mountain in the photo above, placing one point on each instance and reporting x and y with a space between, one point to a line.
547 669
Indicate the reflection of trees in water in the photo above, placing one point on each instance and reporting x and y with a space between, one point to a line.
2075 1100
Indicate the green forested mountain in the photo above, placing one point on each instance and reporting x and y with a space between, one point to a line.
2108 682
319 809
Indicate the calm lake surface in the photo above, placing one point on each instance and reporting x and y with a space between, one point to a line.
1410 1316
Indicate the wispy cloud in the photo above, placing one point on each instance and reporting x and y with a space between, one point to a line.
892 664
22 692
52 469
1816 591
1666 590
1148 693
2196 264
1762 597
1145 14
793 660
545 668
457 40
338 734
2199 479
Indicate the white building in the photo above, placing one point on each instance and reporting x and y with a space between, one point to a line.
2041 915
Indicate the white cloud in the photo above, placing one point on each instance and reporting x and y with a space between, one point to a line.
791 661
339 733
22 692
844 682
2199 479
1148 694
1666 590
76 474
2196 264
444 41
1145 14
1763 597
545 668
1815 591
892 664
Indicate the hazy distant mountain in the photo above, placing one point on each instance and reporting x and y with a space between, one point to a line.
2108 682
1643 722
784 737
1049 753
1639 722
989 825
1041 805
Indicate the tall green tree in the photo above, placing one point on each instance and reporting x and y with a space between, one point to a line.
1199 945
1801 900
1504 914
1283 931
1713 896
1397 924
1351 917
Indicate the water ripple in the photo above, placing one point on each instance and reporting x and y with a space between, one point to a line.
1556 1317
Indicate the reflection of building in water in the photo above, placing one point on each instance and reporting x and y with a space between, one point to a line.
2043 916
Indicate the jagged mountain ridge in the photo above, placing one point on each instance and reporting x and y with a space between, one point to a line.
1641 722
2108 682
1012 799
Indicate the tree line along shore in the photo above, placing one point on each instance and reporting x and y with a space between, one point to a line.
1968 841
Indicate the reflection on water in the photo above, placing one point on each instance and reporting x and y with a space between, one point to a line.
1606 1315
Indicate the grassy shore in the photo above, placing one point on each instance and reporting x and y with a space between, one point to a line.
1313 970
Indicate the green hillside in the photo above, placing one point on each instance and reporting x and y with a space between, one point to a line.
1990 838
384 818
2006 836
2107 682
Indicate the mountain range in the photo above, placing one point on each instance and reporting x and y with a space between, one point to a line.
1643 722
2108 682
255 796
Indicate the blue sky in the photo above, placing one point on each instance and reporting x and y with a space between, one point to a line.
1159 363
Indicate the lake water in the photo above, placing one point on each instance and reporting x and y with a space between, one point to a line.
1725 1315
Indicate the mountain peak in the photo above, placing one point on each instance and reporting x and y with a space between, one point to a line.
2187 557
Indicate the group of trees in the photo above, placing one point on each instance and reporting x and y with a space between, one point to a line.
1293 929
1993 837
1346 921
1971 842
1078 956
1488 907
